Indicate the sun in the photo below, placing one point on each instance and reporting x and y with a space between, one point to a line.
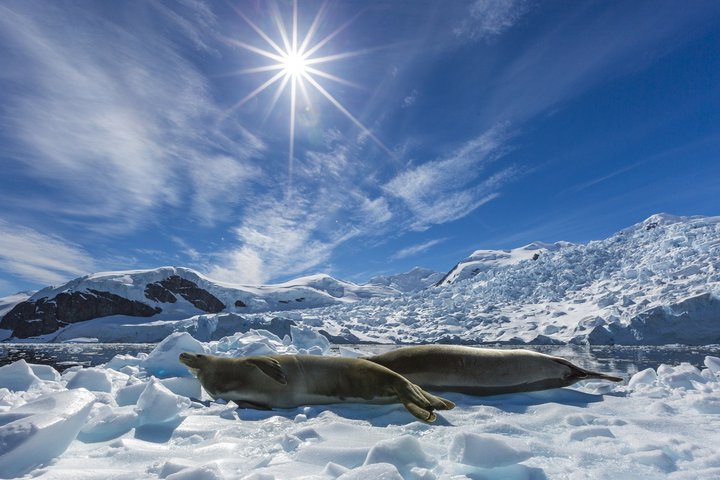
296 66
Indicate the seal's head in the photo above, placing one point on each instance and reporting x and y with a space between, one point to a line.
193 361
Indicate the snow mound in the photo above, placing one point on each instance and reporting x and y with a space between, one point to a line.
17 376
157 404
163 360
35 433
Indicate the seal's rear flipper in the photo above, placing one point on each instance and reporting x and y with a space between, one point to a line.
438 403
421 413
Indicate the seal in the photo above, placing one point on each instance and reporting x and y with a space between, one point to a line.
483 371
287 381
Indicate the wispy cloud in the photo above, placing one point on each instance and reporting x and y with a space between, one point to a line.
416 249
489 18
40 258
410 99
113 119
449 188
327 206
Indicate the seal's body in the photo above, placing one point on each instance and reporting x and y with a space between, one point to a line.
483 371
286 381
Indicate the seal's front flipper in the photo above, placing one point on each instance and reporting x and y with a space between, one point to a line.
270 367
253 405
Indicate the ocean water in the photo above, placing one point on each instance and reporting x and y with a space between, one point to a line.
617 359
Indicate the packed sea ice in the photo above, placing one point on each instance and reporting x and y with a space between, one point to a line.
144 417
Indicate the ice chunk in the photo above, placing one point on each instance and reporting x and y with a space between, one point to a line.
644 377
684 375
376 471
488 451
184 386
17 376
39 431
205 472
253 342
45 372
121 361
157 404
130 394
309 340
713 363
94 379
107 422
403 452
163 360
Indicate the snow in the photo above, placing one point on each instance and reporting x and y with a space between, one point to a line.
38 431
664 423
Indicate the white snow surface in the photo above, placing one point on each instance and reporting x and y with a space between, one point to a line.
484 260
664 423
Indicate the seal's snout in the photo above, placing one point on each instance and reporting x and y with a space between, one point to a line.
188 359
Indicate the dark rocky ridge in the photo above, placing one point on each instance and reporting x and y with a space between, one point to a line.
163 290
43 316
47 315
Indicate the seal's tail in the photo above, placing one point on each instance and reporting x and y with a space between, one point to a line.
580 373
600 376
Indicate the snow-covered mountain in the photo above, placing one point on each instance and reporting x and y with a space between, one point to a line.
657 282
416 279
167 293
484 260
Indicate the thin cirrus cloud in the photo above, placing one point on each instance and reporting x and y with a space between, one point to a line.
413 250
447 189
113 120
37 257
489 18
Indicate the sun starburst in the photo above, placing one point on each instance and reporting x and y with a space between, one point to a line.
295 66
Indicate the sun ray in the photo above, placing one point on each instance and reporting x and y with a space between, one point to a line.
329 76
276 97
349 115
344 55
325 40
245 71
294 29
313 28
252 94
259 31
280 26
291 153
257 50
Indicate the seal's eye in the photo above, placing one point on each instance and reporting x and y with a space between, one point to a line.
200 355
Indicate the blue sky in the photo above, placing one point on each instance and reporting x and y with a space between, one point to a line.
126 143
